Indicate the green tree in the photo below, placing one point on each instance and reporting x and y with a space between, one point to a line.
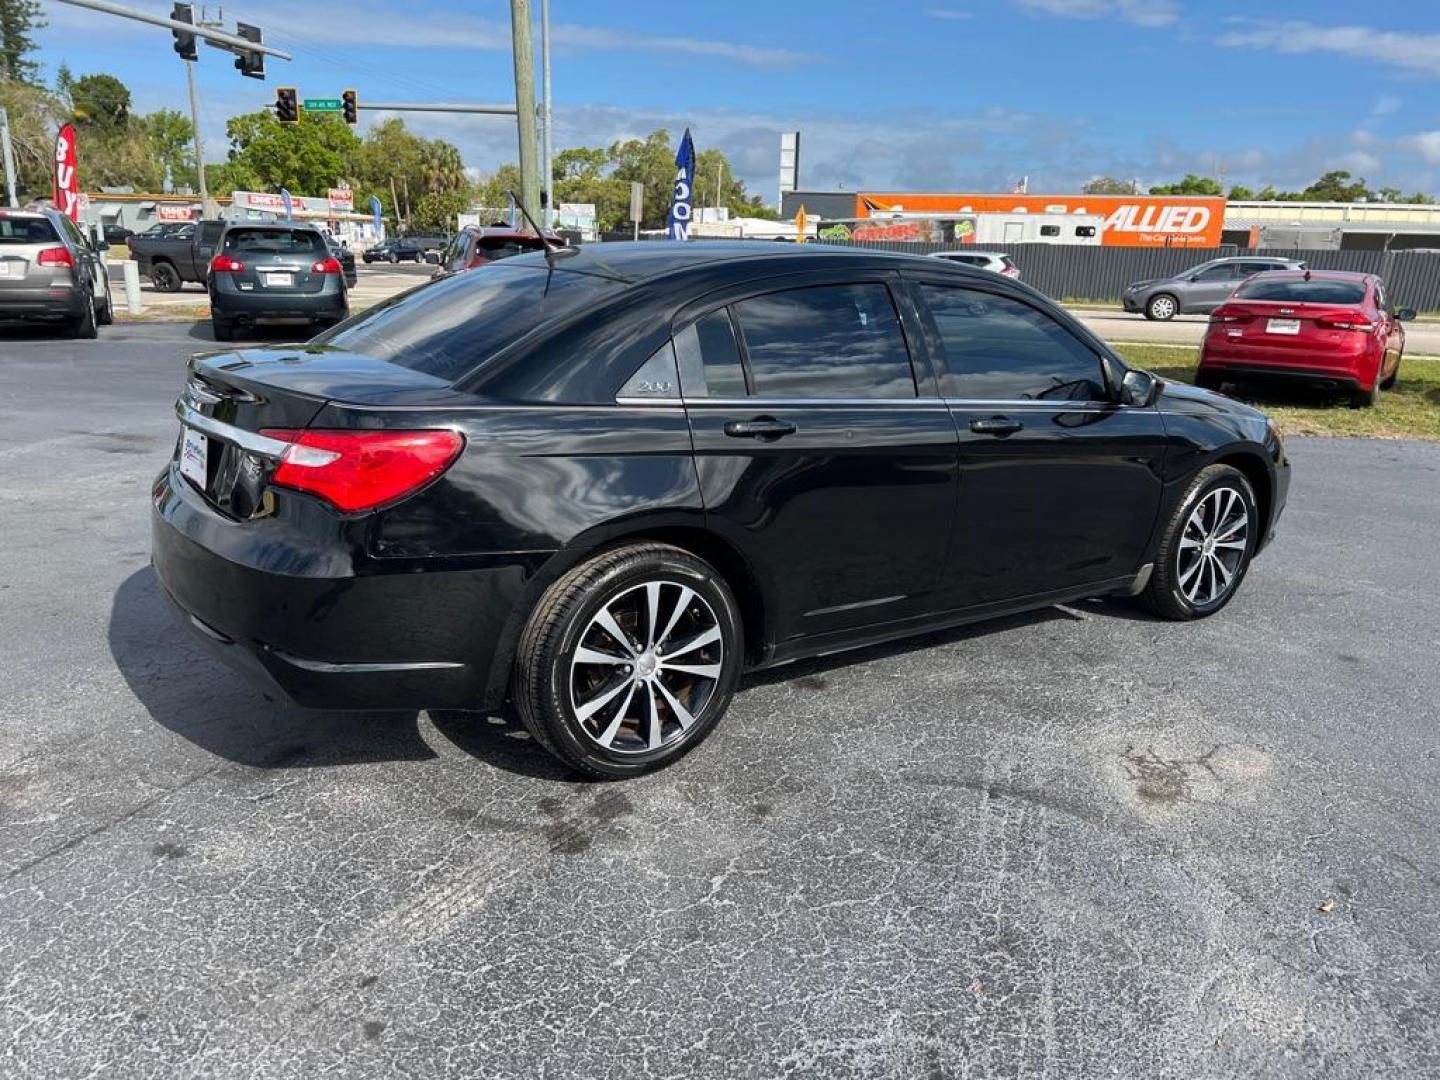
34 116
1191 185
392 153
19 19
1108 185
1239 191
437 210
171 139
492 190
100 103
1336 186
307 158
649 161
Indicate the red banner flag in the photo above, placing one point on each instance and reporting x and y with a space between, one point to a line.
66 195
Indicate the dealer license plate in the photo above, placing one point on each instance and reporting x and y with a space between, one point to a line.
281 280
194 457
1283 326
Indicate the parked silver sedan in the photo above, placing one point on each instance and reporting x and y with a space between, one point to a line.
1201 289
50 270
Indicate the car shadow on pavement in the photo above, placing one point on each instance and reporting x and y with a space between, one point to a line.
282 334
34 331
198 698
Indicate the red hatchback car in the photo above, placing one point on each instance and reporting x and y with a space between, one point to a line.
1327 326
473 246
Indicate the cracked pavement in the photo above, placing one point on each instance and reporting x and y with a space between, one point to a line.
1076 843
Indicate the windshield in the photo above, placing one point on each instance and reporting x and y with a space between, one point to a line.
449 327
274 241
1300 291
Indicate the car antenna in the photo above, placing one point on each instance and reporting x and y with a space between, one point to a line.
550 250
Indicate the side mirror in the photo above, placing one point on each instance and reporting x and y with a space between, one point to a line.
1405 314
1139 388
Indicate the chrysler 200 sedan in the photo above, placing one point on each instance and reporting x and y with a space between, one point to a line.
604 482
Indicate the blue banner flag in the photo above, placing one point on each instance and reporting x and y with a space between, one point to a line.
288 203
678 226
375 213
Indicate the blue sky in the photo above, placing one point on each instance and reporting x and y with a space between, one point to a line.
940 95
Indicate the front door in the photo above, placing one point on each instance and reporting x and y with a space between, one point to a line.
816 452
1211 287
1059 487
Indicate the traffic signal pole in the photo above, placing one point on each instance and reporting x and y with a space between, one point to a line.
231 42
205 209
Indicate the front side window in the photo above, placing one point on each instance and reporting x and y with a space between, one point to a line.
827 341
1221 272
999 349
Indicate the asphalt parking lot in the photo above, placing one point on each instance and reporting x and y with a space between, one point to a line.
1077 843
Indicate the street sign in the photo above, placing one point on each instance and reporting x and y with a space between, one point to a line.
637 201
322 104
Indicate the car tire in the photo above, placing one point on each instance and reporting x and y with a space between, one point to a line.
392 258
1162 307
612 708
165 278
1364 399
1191 581
1389 383
105 315
222 329
84 325
1208 379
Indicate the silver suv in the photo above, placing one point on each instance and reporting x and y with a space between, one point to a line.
50 270
1200 289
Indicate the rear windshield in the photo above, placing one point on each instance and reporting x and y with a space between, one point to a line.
502 247
274 241
1299 291
26 231
449 327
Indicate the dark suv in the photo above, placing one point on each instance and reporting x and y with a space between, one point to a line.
603 484
274 272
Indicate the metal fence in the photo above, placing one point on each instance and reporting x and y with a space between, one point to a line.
1068 272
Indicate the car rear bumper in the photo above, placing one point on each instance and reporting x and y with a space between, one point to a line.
1352 367
231 302
49 302
330 630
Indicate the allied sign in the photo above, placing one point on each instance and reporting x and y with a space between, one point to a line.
1130 220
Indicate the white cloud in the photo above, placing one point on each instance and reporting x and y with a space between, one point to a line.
1418 54
1386 105
1139 12
1427 145
946 13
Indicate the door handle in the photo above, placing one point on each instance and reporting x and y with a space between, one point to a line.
762 427
996 425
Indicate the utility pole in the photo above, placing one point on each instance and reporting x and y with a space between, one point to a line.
205 209
524 52
549 148
9 152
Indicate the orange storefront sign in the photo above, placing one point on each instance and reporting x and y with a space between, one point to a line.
1130 220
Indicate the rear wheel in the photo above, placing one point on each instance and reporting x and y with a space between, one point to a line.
1389 383
83 325
629 660
222 329
1206 546
165 277
1363 399
1162 307
105 313
1208 379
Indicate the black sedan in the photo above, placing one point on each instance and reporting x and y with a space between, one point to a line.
603 483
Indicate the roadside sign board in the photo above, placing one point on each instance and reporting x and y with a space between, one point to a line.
321 104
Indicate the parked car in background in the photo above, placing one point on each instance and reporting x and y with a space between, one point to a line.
1324 326
115 235
274 272
169 258
605 484
345 258
1200 289
393 250
473 246
997 262
51 271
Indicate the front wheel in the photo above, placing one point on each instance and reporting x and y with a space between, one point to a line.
1206 546
629 660
1162 308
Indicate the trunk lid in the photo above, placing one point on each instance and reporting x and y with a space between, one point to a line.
230 398
1286 324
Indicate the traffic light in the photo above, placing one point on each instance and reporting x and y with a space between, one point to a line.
250 63
350 107
184 43
287 105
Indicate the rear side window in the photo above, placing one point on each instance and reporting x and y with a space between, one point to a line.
451 326
998 349
26 231
275 242
1300 291
709 358
830 341
502 247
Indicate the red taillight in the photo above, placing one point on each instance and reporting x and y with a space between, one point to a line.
225 264
1345 321
327 266
1224 314
56 256
360 470
1010 271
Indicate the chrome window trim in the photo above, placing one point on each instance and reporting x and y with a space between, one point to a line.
252 441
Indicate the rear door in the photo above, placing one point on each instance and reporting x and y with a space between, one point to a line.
820 448
202 248
277 260
1059 487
